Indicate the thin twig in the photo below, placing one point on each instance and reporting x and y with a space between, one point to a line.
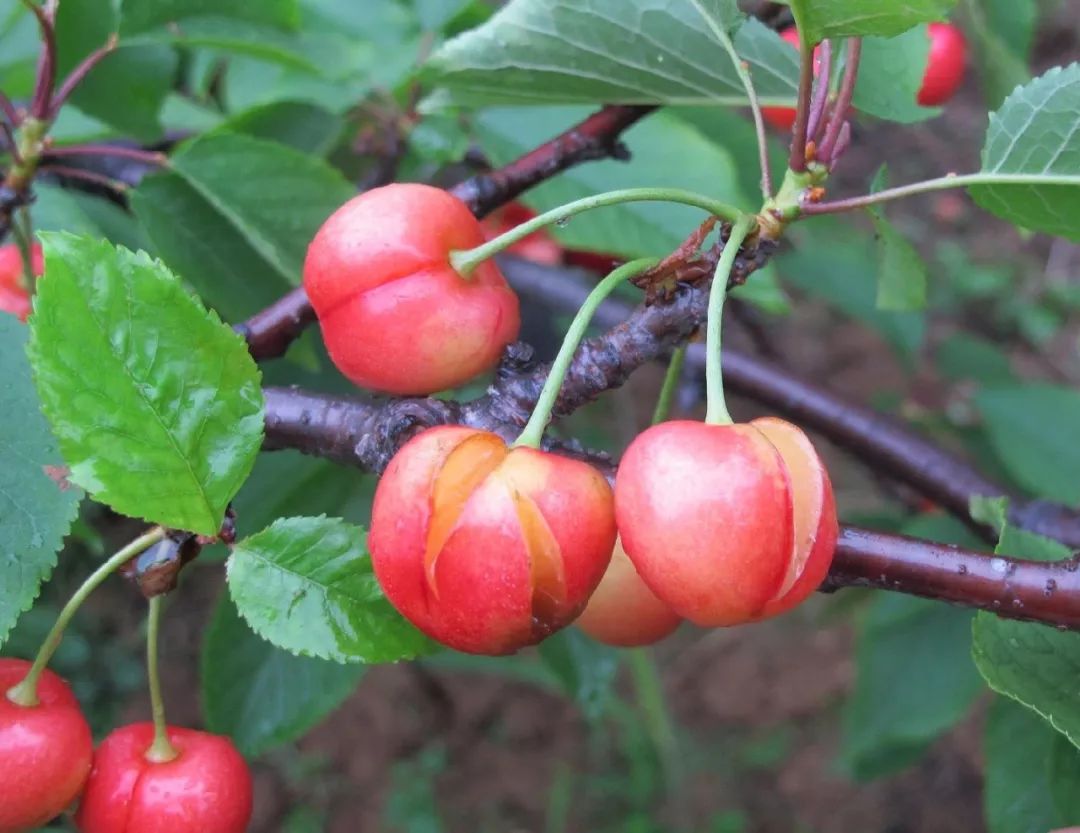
820 100
138 154
46 69
76 76
826 150
797 159
8 110
86 176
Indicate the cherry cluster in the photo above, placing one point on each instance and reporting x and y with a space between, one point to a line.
489 547
47 761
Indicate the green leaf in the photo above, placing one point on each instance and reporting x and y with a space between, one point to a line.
140 15
301 125
36 509
1032 428
832 260
1035 136
820 19
901 271
307 586
126 90
156 403
1064 776
964 356
585 669
594 51
1002 32
204 249
273 196
262 696
890 76
660 144
914 674
62 209
1034 664
1016 794
237 37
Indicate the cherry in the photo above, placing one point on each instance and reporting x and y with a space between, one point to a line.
783 118
945 64
539 246
726 523
206 788
487 548
395 315
13 295
623 611
45 750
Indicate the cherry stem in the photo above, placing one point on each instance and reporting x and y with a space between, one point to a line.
671 382
533 432
826 150
46 71
930 185
24 239
716 411
161 750
76 76
751 94
86 176
464 262
25 692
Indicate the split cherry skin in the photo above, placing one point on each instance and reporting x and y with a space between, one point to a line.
488 548
14 297
726 524
45 750
395 315
206 788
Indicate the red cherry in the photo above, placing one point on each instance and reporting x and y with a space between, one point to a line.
538 246
13 295
45 750
487 548
207 788
726 523
783 118
945 64
395 315
623 611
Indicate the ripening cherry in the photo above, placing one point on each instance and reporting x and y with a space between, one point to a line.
726 523
945 65
45 750
395 314
206 788
487 548
623 611
539 246
13 295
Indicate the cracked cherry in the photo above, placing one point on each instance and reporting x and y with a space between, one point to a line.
13 295
487 548
207 787
726 523
945 64
395 314
45 750
623 611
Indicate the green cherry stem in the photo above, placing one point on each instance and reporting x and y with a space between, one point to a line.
716 412
161 750
465 261
25 692
541 415
671 382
